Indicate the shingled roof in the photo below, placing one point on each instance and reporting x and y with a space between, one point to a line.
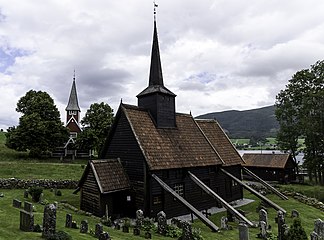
188 145
110 175
220 141
266 160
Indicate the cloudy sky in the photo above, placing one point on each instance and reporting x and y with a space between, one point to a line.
216 54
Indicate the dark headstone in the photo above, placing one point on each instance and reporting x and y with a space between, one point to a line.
68 220
263 216
263 229
26 193
49 220
16 203
28 207
104 236
319 228
26 221
98 230
148 235
84 226
74 225
314 236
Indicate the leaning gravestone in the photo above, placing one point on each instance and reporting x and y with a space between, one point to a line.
162 223
49 220
243 232
139 218
26 221
68 220
84 226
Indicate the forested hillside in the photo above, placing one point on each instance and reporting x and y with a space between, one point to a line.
254 123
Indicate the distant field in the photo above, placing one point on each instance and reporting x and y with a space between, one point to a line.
19 165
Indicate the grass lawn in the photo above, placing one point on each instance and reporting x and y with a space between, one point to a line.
9 218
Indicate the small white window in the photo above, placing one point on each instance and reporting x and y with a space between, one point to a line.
179 189
128 198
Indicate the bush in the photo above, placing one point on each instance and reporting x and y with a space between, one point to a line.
35 193
173 231
196 233
296 231
60 235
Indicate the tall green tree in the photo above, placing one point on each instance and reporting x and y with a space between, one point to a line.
300 112
40 128
96 125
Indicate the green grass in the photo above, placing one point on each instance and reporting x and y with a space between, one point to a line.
19 165
316 191
240 141
9 218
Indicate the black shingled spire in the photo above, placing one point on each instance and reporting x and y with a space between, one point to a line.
156 98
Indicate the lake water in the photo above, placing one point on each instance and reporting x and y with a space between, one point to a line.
299 157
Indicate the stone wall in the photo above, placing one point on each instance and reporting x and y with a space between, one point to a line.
14 183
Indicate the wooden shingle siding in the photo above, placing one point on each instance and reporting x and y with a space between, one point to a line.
90 195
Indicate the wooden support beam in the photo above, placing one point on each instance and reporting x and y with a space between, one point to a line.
272 204
264 183
219 199
199 215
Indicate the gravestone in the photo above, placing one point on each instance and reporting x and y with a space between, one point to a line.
139 218
136 231
104 236
16 203
314 236
319 228
28 207
186 231
162 223
84 226
243 232
49 220
294 213
68 220
263 230
224 223
98 230
41 198
263 216
26 193
281 223
26 221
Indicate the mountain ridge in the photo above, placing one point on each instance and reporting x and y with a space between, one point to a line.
252 123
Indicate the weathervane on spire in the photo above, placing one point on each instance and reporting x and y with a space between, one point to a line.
154 9
74 75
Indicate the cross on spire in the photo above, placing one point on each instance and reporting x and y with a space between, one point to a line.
154 9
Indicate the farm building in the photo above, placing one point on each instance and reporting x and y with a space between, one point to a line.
271 167
161 152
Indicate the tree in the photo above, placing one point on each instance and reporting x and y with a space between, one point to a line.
96 125
300 112
40 128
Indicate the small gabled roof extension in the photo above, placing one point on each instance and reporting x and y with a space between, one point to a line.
266 160
109 174
167 148
220 141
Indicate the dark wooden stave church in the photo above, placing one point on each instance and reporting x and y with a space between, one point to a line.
151 139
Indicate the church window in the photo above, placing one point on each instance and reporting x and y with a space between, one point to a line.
179 189
72 112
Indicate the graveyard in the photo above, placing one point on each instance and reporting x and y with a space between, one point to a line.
68 204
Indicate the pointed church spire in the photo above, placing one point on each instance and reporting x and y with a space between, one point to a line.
156 77
73 104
